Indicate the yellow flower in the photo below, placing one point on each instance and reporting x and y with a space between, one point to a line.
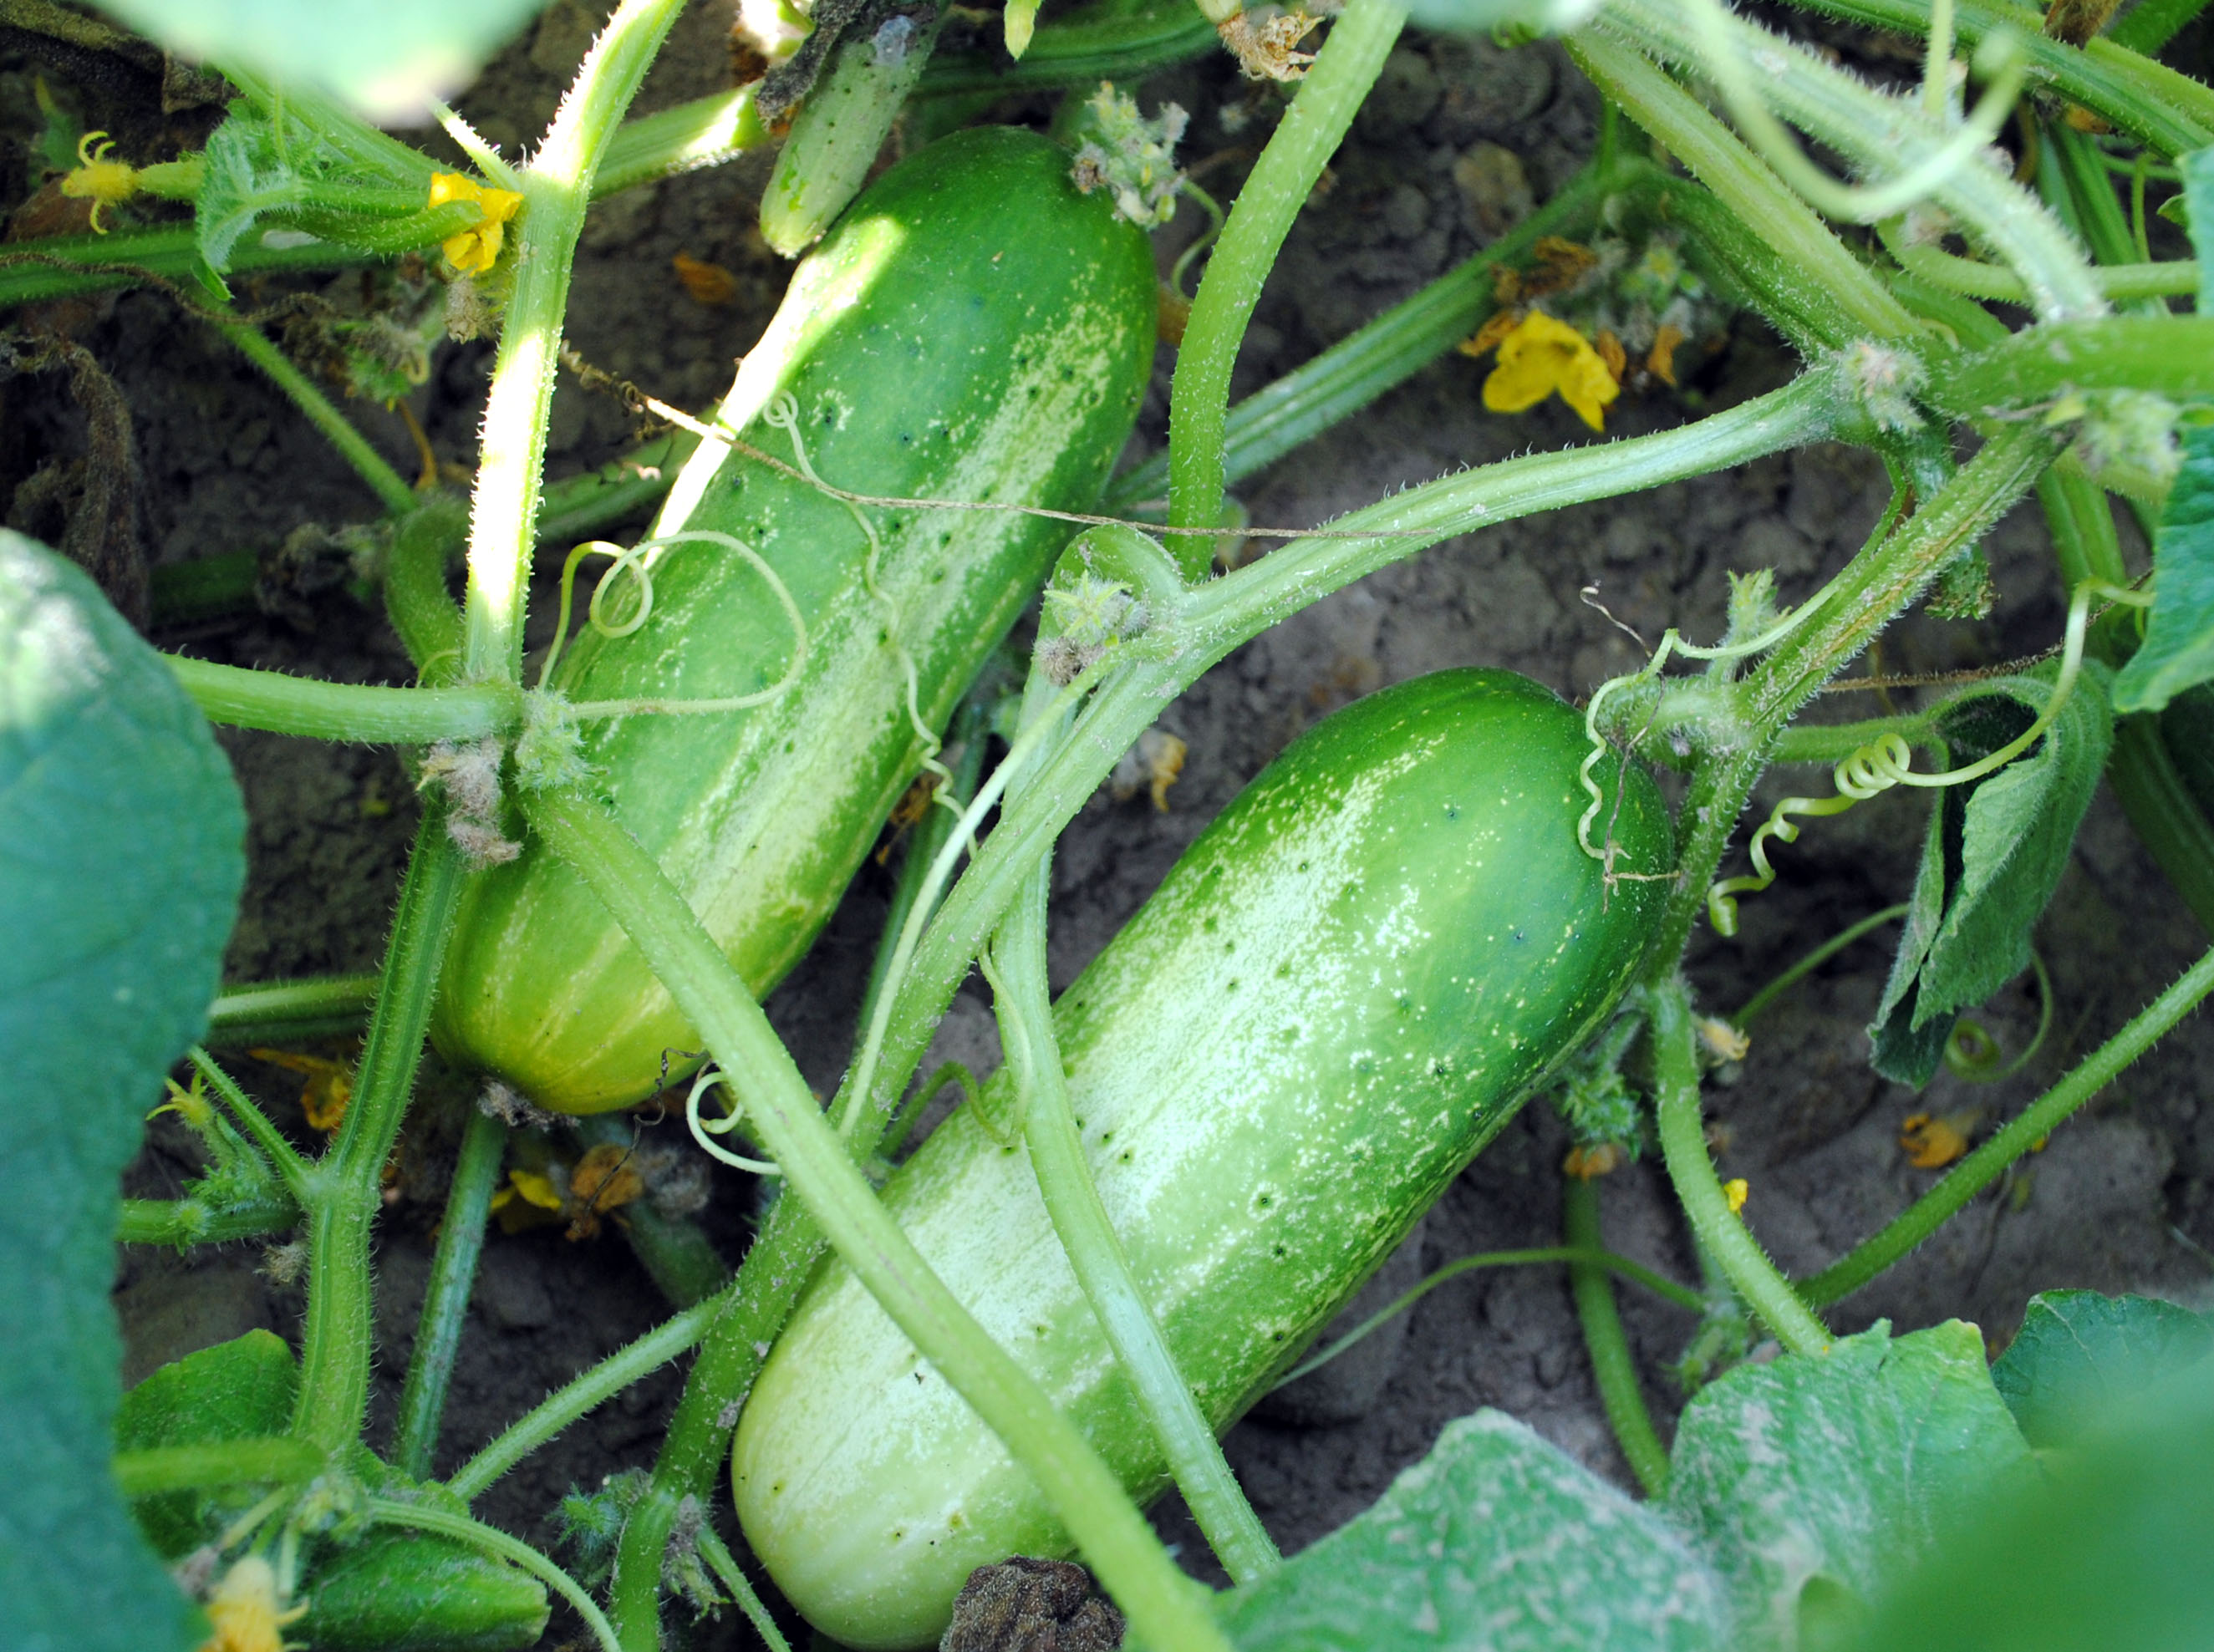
1542 356
99 179
474 250
245 1612
1735 1190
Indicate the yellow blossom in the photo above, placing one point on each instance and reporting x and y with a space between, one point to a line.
474 250
1735 1190
99 179
1542 356
245 1612
1931 1144
329 1087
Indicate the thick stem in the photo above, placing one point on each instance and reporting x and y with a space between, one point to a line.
581 1393
446 1299
1163 1604
349 711
1613 1368
1387 351
1102 1268
1880 582
1683 1145
339 1339
1820 269
745 1321
228 1462
271 1012
187 1221
1889 137
389 487
2164 354
416 599
1309 134
2035 1122
512 455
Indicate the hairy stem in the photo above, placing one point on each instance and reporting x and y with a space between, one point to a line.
2040 1120
1309 134
339 1339
1683 1145
1613 1368
512 456
446 1298
350 711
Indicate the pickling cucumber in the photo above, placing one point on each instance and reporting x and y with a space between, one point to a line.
1346 986
973 329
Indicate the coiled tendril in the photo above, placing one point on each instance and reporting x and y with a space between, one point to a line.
703 1129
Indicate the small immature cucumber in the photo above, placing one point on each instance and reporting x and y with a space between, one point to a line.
973 329
1341 991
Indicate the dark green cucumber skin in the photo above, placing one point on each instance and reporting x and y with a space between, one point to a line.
973 329
1346 987
413 1591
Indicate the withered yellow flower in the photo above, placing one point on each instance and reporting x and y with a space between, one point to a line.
1735 1190
246 1612
1542 356
474 250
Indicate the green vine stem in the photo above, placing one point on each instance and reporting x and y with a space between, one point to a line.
733 1578
1606 1261
581 1394
2040 1120
294 1173
1684 1146
1164 1605
446 1297
556 189
350 711
315 1007
1825 279
1977 279
705 133
1613 1368
2172 111
228 1462
1386 352
743 1323
1879 583
386 483
1180 644
2164 354
339 1339
416 600
1812 961
1887 136
1095 1254
2153 23
420 1517
1309 134
187 1221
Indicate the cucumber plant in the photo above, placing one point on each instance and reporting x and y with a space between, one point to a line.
962 353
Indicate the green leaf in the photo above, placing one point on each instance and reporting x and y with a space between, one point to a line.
2106 1554
387 57
2178 645
1996 849
2080 1356
124 840
1496 1540
238 1390
1811 1484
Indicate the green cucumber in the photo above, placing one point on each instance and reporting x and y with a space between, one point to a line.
1341 992
973 329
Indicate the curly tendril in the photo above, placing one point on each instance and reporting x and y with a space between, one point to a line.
783 413
1889 762
703 1129
636 563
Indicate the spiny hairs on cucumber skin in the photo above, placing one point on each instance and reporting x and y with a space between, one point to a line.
973 329
1347 986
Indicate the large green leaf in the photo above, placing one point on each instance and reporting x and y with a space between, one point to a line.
388 57
2109 1554
1995 852
2080 1356
2178 645
1496 1540
123 832
1812 1483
